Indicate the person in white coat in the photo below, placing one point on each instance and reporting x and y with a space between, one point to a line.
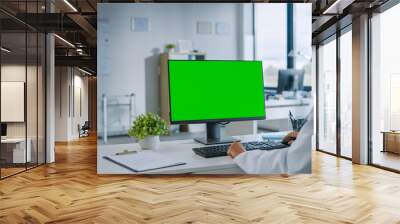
294 159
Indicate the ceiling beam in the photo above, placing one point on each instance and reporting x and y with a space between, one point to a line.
78 61
84 24
337 7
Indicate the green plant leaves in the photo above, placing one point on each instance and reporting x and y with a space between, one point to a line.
148 124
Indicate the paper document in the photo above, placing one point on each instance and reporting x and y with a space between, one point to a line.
143 161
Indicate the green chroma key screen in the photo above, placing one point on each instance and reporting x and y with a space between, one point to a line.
216 90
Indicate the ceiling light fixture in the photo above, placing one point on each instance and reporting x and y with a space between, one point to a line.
5 50
84 71
64 40
70 5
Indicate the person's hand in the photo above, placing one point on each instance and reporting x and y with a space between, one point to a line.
235 149
290 138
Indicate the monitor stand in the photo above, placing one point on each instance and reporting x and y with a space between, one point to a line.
213 135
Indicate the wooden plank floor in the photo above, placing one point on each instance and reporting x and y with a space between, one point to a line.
70 191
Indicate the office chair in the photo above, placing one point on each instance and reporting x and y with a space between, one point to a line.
84 130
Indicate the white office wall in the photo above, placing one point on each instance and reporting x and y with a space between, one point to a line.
246 31
134 55
131 59
67 115
13 101
14 73
62 80
217 46
17 73
81 104
82 82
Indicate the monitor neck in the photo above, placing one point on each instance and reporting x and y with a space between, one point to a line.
214 135
213 130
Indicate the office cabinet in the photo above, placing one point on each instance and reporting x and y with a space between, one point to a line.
16 150
391 142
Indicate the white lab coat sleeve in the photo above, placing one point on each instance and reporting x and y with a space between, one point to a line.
291 160
298 158
299 153
263 162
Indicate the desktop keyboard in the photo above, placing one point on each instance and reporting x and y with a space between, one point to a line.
221 150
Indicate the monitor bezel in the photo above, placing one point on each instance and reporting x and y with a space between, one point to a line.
214 120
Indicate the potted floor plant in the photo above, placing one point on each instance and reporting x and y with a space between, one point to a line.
147 128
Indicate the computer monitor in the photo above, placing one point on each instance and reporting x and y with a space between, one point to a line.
290 80
214 92
3 130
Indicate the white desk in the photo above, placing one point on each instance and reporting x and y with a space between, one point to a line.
279 109
181 150
277 113
18 150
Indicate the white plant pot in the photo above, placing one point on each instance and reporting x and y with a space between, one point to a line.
150 142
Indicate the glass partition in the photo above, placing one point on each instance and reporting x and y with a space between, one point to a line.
15 148
385 89
327 97
22 91
346 94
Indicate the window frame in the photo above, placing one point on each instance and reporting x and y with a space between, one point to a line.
334 37
371 13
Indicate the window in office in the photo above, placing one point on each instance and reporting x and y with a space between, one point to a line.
385 84
270 40
327 96
346 94
302 41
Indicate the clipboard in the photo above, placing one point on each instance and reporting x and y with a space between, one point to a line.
143 161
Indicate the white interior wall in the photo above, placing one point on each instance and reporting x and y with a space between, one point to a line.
216 46
33 126
61 104
246 32
67 81
12 73
129 72
134 55
79 117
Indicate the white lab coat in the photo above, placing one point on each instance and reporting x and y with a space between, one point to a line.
292 160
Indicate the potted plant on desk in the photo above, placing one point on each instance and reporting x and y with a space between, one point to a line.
147 128
170 48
